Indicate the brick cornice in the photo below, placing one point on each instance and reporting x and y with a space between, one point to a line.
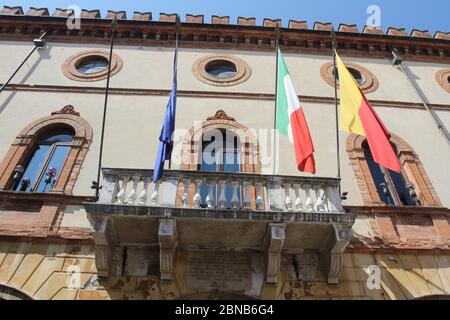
224 36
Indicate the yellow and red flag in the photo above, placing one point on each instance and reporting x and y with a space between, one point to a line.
359 117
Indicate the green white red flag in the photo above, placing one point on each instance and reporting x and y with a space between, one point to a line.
291 120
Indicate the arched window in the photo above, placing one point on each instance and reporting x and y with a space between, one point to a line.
220 144
221 152
9 293
380 186
392 187
45 162
47 155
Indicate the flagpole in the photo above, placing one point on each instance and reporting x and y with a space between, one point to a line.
338 143
96 184
177 35
274 154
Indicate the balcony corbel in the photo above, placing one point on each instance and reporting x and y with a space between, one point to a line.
332 252
168 242
275 236
108 255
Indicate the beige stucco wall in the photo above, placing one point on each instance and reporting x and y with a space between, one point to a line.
150 68
134 122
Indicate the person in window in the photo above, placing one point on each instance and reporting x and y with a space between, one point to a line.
46 161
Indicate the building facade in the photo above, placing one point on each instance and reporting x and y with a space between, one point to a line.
245 224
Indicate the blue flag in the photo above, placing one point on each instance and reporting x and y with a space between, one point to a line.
166 137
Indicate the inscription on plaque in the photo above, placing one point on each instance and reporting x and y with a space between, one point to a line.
223 271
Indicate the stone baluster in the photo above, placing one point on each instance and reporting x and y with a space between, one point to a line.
197 196
154 199
210 197
309 203
320 204
323 192
287 200
132 196
298 198
143 197
185 198
247 200
234 198
334 199
259 196
222 196
122 191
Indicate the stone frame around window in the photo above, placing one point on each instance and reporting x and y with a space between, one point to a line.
192 144
370 83
69 67
25 141
243 71
442 78
411 166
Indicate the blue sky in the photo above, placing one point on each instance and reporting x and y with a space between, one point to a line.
409 14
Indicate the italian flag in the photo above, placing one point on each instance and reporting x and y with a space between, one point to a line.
359 117
291 120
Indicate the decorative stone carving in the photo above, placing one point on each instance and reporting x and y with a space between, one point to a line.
221 115
333 251
69 109
168 242
275 236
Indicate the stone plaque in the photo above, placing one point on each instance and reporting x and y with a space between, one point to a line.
307 264
141 262
223 271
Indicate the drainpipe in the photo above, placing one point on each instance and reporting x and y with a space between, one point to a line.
397 61
38 43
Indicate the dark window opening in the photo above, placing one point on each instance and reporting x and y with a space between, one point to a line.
392 187
355 73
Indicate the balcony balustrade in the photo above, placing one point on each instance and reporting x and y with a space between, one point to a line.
194 210
221 191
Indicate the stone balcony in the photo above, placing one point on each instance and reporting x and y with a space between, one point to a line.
137 224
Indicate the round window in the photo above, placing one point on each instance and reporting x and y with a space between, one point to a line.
443 79
221 69
92 65
355 73
365 79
